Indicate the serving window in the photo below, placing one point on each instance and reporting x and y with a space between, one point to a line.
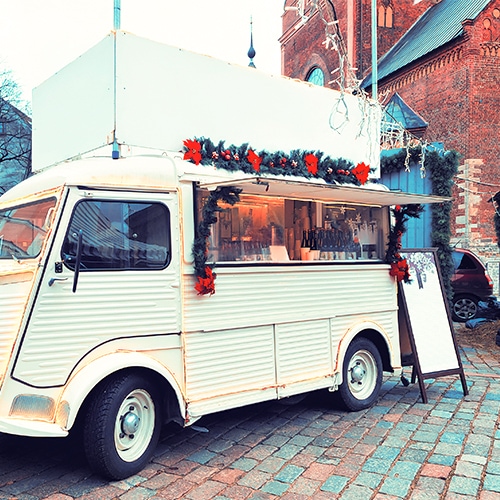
264 228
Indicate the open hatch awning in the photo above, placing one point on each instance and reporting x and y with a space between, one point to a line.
326 193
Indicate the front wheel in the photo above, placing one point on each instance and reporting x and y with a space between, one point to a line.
362 375
122 426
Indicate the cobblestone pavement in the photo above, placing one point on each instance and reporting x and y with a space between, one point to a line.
401 448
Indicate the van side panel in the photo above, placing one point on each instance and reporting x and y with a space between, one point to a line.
14 297
229 368
66 326
276 331
255 295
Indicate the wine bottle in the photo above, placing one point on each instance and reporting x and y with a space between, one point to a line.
313 239
305 240
304 246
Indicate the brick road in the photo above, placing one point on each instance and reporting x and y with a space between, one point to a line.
401 448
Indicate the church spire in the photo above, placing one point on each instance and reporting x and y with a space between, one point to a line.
251 50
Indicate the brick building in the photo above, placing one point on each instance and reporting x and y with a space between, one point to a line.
15 145
302 42
442 58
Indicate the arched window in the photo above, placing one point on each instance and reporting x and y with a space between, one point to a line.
386 15
316 76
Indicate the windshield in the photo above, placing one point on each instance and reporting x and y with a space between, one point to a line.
23 229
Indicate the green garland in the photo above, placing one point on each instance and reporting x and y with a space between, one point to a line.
308 164
203 271
399 266
442 168
243 158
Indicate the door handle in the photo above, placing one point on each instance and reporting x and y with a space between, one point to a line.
53 280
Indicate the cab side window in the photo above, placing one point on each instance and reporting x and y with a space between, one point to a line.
118 235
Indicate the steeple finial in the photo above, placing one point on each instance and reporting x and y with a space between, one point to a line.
251 50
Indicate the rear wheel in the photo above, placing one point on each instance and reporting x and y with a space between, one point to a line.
122 426
464 308
362 375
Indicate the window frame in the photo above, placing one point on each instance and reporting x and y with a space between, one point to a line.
278 248
385 16
67 257
314 71
41 231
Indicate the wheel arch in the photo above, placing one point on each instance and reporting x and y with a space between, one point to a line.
375 334
86 381
468 295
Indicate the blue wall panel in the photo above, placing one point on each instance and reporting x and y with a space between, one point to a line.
418 234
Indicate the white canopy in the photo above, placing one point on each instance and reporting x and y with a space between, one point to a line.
372 194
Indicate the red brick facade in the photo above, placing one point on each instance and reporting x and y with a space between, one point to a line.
456 90
302 43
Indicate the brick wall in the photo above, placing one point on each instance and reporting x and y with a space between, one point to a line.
302 45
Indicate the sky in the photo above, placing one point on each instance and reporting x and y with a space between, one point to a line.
39 37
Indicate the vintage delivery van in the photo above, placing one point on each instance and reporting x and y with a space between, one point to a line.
141 283
101 313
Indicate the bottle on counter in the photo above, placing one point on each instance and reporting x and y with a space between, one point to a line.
305 245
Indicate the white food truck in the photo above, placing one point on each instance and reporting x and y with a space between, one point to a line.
103 309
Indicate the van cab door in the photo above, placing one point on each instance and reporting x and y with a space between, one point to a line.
111 279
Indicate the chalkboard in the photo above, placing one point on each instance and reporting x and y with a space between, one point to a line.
428 320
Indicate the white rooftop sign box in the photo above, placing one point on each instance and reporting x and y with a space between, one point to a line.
151 95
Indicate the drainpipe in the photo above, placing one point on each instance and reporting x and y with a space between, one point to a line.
374 52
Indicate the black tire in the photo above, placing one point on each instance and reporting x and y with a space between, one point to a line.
463 308
362 375
122 426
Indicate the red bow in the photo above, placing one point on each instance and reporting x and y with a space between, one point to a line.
400 270
254 159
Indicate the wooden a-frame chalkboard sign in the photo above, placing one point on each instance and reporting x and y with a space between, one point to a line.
425 315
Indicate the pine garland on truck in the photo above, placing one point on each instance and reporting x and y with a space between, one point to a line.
245 159
205 284
442 168
297 162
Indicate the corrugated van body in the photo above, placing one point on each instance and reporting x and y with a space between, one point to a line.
271 331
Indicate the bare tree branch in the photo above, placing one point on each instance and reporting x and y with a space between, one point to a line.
15 134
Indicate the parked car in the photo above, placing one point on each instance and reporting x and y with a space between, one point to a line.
471 284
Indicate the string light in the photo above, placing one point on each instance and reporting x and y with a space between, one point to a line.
489 193
422 159
466 179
